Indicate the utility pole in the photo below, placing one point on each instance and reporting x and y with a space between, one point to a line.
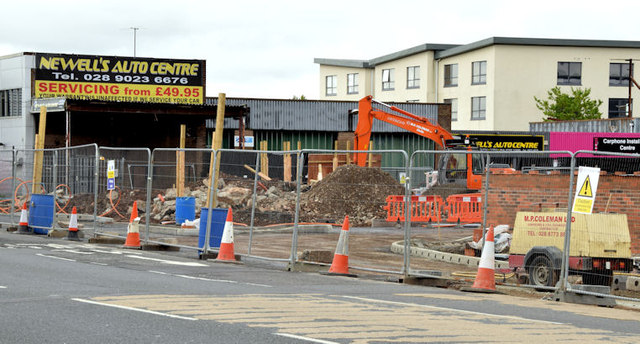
135 30
629 113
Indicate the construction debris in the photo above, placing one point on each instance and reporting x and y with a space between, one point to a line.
359 192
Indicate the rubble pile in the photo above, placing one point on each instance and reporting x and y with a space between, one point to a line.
359 192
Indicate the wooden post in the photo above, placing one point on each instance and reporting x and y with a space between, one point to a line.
264 159
297 163
217 144
180 162
370 155
335 155
287 161
348 154
39 155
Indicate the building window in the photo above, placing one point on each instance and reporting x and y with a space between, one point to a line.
619 74
332 85
618 107
569 73
388 81
454 108
413 77
451 75
479 73
478 108
11 102
352 83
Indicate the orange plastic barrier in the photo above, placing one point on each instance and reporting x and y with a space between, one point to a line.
464 208
423 208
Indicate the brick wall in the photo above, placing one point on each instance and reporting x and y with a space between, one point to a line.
509 194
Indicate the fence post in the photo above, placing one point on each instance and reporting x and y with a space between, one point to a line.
147 209
96 174
564 271
13 183
253 202
485 202
213 189
294 238
407 214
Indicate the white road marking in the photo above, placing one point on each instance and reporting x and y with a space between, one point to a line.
206 279
72 251
172 262
3 287
103 251
305 338
134 309
158 272
450 309
209 279
101 264
259 285
54 257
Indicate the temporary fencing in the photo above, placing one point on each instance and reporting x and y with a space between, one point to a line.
61 173
332 190
607 185
288 205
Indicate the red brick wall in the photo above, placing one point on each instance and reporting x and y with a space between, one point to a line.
509 194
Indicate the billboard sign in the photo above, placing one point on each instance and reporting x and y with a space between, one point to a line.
115 78
507 142
617 144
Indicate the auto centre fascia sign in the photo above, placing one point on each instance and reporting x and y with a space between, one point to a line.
507 142
121 79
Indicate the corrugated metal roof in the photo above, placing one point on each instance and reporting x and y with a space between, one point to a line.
610 125
311 115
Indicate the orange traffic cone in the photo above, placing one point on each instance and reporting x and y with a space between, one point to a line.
226 244
340 264
133 232
73 225
23 226
485 278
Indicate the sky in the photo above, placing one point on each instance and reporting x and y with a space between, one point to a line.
266 49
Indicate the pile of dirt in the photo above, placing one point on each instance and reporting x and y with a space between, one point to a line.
359 192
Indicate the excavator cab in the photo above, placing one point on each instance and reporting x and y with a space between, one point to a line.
460 169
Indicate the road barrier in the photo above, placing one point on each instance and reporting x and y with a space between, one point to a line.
464 208
423 208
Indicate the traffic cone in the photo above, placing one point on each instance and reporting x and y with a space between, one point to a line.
485 278
23 226
133 232
73 225
226 244
340 264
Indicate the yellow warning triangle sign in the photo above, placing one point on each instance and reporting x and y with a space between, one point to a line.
585 190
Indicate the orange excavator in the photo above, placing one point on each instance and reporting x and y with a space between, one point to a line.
458 168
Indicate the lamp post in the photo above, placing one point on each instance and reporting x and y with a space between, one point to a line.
135 30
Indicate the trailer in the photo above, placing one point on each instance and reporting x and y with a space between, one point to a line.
600 245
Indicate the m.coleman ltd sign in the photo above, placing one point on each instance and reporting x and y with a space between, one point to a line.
114 78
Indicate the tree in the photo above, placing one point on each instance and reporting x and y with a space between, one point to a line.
563 107
302 97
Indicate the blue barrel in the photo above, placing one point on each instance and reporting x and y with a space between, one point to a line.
218 218
185 209
41 213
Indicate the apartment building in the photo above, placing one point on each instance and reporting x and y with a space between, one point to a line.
490 84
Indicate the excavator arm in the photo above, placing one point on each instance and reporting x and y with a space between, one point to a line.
415 124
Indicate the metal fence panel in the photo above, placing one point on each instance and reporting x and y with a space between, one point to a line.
332 190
